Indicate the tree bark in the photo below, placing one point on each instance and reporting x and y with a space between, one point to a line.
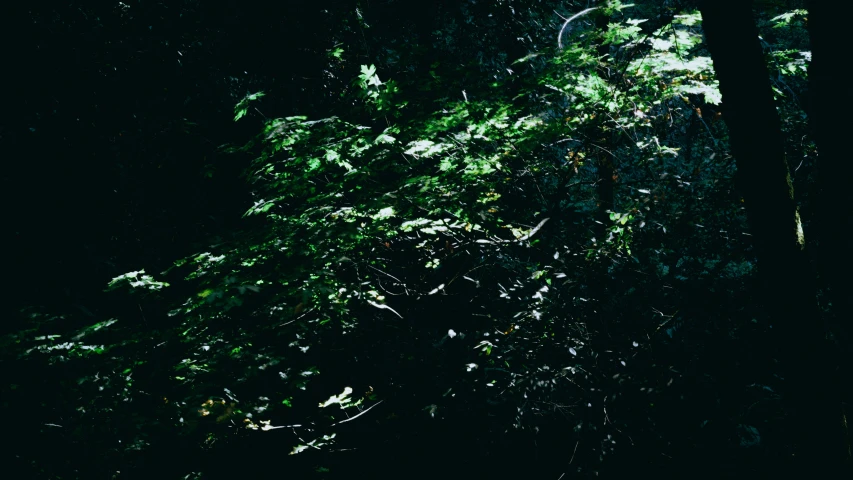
786 276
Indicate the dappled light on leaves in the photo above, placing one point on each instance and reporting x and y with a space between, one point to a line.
550 261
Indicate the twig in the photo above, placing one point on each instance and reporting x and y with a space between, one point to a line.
295 319
388 274
569 20
362 412
520 239
386 307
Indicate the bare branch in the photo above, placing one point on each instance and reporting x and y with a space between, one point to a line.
386 307
569 20
363 411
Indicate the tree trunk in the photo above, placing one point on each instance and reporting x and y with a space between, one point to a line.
827 28
786 277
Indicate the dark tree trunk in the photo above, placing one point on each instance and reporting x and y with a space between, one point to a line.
827 25
786 276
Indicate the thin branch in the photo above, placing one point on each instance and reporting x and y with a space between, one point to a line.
569 20
534 230
297 318
385 307
362 412
517 240
386 273
564 140
606 150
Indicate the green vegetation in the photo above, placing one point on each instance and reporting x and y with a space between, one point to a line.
471 250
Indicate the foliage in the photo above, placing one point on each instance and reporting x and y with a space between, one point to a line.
446 258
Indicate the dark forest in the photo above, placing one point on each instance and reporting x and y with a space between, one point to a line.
447 239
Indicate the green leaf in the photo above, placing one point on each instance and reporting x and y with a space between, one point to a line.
383 214
384 138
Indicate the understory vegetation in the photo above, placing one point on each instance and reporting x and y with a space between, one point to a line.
485 240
